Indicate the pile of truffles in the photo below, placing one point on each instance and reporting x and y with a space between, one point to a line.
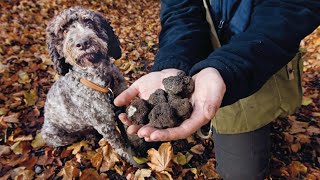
164 108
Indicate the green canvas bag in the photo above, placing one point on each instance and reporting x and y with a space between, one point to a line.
280 96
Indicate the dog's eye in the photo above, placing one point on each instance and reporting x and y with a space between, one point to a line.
88 23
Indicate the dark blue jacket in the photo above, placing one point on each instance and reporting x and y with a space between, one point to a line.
258 38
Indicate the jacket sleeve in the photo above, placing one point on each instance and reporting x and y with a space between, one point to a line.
270 42
185 35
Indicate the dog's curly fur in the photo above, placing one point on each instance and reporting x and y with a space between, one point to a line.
80 43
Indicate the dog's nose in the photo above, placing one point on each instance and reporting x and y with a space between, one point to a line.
83 44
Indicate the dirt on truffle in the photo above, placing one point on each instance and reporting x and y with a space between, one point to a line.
138 111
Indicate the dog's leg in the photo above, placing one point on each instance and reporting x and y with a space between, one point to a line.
107 128
55 136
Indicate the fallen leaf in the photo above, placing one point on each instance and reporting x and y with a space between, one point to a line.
90 174
140 160
209 170
296 168
298 127
16 148
180 159
76 147
4 150
95 157
141 174
197 149
109 158
30 97
164 175
22 173
159 160
295 147
13 118
312 130
306 101
70 170
23 138
38 141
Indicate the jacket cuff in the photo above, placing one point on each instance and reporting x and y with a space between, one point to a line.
171 62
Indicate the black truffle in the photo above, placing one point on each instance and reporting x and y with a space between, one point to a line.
162 116
159 96
181 85
138 111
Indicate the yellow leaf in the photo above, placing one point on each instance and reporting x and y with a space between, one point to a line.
38 141
140 160
24 78
180 159
160 159
76 147
306 101
16 148
30 98
141 174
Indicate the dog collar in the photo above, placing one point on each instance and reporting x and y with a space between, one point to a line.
95 86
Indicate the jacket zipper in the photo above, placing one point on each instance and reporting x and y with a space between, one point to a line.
221 23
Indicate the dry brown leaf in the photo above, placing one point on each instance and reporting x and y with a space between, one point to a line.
198 149
159 160
4 150
164 175
209 170
13 118
90 174
141 174
31 97
296 168
298 127
76 147
95 157
312 130
70 170
23 138
22 173
295 147
109 158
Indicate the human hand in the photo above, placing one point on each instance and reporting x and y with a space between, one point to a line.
142 88
206 99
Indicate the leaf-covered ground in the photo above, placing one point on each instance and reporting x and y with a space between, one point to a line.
26 74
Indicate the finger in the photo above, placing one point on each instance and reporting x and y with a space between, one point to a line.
133 129
145 131
124 119
126 96
147 139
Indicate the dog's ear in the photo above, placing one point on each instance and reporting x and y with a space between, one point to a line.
59 62
114 49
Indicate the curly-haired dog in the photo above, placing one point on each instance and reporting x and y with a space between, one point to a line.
81 43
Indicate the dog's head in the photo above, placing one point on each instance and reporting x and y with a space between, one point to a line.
81 38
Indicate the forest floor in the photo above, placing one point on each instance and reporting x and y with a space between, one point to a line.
26 74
